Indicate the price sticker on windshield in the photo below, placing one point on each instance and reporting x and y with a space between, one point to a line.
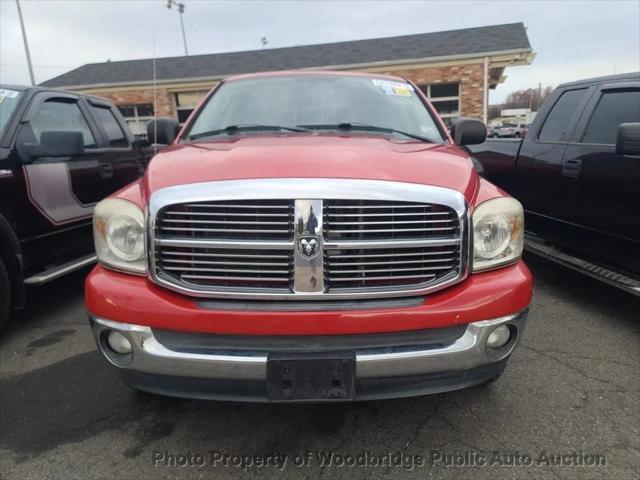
6 93
398 89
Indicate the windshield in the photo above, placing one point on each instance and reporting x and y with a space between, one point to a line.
9 100
329 102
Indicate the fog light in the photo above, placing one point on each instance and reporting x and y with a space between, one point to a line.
499 337
119 343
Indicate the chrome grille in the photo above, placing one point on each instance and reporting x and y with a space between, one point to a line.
386 221
307 238
368 268
180 258
365 219
242 219
228 268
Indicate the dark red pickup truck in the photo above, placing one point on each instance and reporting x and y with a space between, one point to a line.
60 154
307 237
577 174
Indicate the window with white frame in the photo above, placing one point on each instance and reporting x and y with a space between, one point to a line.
445 98
186 102
137 116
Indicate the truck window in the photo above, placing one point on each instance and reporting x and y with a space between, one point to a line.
558 121
614 108
9 100
115 134
61 115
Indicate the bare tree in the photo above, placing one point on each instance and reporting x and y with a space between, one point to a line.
528 98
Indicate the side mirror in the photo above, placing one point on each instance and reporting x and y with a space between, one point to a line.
57 144
468 131
162 131
628 141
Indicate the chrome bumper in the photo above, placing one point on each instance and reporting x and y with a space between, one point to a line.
151 357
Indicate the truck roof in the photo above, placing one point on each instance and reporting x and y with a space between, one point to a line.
19 88
37 88
291 73
607 78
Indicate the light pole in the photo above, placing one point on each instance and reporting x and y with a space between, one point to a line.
26 44
180 5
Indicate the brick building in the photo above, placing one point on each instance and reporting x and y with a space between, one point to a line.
455 68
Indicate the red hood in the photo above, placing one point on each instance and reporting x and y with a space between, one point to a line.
313 156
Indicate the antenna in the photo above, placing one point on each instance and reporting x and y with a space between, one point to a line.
155 97
264 42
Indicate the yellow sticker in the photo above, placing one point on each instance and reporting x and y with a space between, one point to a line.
402 91
389 87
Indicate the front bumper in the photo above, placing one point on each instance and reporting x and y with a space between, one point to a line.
382 371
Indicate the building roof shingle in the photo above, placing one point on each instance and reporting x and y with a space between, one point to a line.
466 41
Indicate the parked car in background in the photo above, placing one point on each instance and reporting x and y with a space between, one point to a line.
577 173
511 130
60 153
492 131
309 238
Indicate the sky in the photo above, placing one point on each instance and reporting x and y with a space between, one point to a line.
572 39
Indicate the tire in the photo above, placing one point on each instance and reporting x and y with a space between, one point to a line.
5 295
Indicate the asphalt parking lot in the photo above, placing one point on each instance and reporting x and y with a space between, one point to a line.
571 388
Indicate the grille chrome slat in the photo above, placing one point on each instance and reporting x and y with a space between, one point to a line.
220 230
208 262
432 260
247 245
227 222
390 270
251 248
218 277
270 256
396 230
378 244
222 205
397 277
374 255
379 206
229 270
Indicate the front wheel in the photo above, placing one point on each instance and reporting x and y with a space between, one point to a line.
5 295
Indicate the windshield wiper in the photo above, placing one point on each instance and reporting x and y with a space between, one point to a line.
365 127
245 127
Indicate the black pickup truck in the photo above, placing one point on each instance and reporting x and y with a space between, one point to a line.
577 174
60 153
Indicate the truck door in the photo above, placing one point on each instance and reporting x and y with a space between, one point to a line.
608 183
65 190
542 184
62 189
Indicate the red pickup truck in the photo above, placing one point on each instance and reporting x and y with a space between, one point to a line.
309 236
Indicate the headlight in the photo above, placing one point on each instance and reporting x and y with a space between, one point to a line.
118 233
498 233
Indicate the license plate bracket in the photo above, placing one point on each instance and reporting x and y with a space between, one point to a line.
308 376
